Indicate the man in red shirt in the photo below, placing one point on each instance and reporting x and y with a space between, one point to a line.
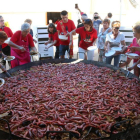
64 27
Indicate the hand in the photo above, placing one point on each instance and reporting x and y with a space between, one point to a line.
118 52
105 48
133 49
35 41
4 56
46 43
22 49
130 68
137 57
47 47
2 68
68 34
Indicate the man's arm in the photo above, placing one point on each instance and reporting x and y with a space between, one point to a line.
80 11
72 33
101 20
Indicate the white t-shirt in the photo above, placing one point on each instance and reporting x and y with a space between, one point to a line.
111 20
110 37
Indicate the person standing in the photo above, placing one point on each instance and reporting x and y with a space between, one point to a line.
80 24
8 31
53 39
109 16
83 18
101 39
115 39
88 38
24 39
136 49
3 37
97 21
64 27
31 31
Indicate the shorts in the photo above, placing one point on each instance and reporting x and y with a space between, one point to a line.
63 49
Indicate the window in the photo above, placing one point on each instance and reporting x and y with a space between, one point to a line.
53 17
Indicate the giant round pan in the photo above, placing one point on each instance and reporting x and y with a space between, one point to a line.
2 81
55 61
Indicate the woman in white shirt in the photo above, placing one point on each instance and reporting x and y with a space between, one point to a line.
115 39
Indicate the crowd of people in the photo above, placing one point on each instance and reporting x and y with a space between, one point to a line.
22 42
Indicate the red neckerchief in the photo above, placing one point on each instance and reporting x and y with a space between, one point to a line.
63 27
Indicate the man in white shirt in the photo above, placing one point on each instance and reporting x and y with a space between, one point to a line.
109 16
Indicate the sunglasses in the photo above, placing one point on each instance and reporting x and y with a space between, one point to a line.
1 20
116 28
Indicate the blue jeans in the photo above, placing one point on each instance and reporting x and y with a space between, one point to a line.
116 60
63 49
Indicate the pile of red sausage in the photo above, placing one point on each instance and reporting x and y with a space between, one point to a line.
57 97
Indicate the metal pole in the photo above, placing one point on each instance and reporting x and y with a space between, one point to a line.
120 9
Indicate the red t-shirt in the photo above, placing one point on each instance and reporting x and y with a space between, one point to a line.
87 38
69 26
9 33
136 45
54 37
16 36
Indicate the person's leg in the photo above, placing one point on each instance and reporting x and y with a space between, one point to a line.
62 51
117 60
101 55
57 52
90 55
6 51
109 59
136 70
82 53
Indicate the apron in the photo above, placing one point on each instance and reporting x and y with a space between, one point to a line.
20 57
0 51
